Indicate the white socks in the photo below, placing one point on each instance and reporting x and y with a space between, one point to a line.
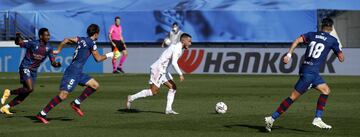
147 92
170 99
141 94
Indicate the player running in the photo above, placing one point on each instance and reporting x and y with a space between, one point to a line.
319 45
159 74
73 74
36 53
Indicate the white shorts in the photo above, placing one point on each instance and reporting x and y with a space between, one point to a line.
157 78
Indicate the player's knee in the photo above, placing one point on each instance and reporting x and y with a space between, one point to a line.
326 91
173 86
96 86
154 91
295 95
63 95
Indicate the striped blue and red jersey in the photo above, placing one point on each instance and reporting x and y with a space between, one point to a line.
319 44
85 46
36 53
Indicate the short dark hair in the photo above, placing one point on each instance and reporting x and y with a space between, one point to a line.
185 35
42 31
92 29
117 17
175 23
326 22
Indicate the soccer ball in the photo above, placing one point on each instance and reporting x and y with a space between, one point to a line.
167 41
117 54
220 108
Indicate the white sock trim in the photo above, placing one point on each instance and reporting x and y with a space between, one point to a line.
7 106
42 113
77 101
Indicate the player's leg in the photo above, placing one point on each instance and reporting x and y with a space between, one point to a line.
324 90
301 87
21 93
29 85
26 80
41 116
141 94
155 82
91 86
68 84
123 57
286 103
170 97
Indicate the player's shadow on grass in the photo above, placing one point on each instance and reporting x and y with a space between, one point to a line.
262 128
35 120
137 111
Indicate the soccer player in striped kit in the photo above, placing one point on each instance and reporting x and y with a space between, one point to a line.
319 44
36 53
73 74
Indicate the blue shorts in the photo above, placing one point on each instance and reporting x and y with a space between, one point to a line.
70 81
26 74
307 81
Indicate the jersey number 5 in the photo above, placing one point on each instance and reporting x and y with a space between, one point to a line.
315 49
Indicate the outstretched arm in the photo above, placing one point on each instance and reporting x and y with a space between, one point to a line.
99 58
292 48
64 42
19 40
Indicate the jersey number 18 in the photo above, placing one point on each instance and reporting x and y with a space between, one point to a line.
315 49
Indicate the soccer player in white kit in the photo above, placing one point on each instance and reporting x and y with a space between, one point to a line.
159 74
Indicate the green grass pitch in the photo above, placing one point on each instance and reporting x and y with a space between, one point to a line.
249 99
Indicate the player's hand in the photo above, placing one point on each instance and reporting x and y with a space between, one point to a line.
18 38
56 64
125 45
182 78
109 55
287 58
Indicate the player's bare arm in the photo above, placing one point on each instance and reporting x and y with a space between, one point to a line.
99 57
63 43
292 48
